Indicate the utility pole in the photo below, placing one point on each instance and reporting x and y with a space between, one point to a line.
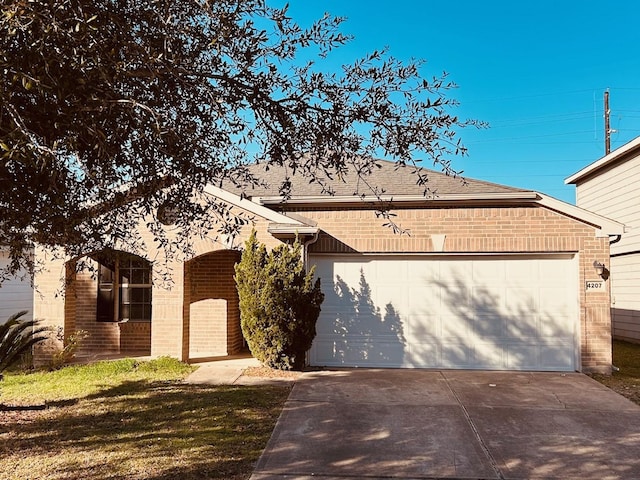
607 129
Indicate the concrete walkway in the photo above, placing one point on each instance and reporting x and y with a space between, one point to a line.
223 371
421 424
230 371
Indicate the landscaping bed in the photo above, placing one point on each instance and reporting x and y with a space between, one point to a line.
625 381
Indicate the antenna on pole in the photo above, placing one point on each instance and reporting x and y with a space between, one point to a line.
607 129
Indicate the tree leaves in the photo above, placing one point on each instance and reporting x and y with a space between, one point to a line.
103 97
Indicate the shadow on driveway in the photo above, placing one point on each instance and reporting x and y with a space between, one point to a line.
417 424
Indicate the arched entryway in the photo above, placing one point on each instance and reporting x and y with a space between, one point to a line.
211 306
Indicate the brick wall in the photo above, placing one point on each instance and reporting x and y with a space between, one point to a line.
178 331
48 304
211 309
525 229
135 337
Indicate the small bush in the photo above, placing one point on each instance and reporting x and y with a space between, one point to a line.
279 304
66 354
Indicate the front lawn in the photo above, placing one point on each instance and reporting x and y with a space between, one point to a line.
131 420
626 381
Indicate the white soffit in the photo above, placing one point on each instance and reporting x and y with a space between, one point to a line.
253 207
605 226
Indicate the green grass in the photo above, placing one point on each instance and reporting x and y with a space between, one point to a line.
78 381
132 420
625 381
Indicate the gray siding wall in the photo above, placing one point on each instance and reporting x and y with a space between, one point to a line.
625 297
615 193
15 294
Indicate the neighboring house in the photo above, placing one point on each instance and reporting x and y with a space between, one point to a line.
490 277
609 186
16 292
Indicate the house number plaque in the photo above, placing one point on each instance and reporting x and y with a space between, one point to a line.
594 285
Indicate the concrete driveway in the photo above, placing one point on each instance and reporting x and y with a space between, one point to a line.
417 424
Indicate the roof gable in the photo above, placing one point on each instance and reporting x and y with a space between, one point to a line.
622 153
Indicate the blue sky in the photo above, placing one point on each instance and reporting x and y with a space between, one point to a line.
535 71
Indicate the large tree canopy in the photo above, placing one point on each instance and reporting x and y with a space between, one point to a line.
121 106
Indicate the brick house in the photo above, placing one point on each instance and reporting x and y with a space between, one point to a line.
488 277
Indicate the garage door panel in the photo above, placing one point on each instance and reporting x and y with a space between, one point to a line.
520 272
393 296
425 355
419 327
359 352
423 299
520 300
420 271
368 323
442 312
489 326
522 328
553 272
556 326
456 301
487 356
455 328
488 300
455 271
488 272
454 355
555 357
554 300
522 356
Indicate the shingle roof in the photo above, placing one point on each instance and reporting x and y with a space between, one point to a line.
395 180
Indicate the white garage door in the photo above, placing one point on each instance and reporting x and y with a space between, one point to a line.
490 312
16 293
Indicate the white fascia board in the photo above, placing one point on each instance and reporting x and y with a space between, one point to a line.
288 229
604 161
605 226
398 198
248 205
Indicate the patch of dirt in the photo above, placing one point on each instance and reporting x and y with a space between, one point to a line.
266 372
627 387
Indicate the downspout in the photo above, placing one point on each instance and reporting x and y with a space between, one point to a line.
305 253
611 242
305 250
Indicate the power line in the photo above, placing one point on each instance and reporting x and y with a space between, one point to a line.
527 137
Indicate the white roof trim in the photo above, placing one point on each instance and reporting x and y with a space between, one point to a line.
604 161
604 225
319 199
288 229
290 224
252 207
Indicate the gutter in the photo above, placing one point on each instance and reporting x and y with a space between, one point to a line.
305 250
342 199
291 229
